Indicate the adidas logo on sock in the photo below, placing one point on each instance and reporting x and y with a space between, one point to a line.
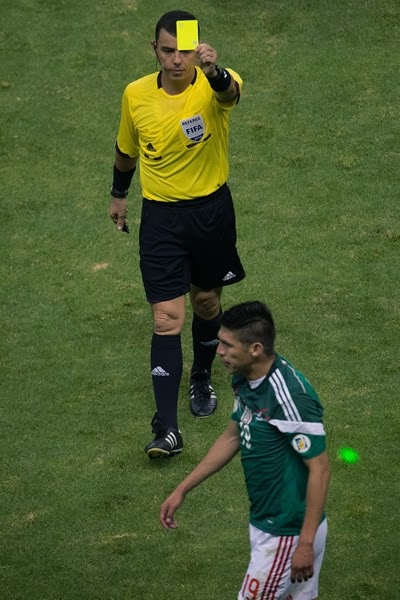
228 276
159 372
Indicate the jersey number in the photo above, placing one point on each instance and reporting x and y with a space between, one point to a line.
251 586
245 435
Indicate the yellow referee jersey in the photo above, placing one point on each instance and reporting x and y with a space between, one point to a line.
181 140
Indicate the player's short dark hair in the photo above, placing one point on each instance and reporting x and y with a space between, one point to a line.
168 21
251 322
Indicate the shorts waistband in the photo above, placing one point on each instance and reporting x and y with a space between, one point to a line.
200 201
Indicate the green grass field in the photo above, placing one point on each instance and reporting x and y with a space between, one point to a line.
315 177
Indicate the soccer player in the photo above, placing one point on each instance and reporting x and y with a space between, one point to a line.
276 425
175 122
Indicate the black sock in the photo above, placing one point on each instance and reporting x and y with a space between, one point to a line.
166 372
205 342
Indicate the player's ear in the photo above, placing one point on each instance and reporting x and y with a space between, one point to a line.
256 349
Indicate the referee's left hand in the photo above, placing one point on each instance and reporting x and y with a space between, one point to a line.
207 58
118 211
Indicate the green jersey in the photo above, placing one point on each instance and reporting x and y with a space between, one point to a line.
280 422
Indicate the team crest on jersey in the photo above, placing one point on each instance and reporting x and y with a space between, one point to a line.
194 128
246 416
301 443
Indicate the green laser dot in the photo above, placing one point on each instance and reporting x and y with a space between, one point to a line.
348 455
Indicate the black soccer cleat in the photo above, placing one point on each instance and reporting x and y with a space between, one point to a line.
167 442
203 400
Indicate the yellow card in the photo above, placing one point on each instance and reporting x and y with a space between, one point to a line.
187 35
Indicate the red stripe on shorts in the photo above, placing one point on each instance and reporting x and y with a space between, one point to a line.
278 567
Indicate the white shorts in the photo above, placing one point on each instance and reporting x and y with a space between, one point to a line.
268 573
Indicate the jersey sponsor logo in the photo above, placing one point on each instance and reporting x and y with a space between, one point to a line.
194 128
150 147
159 372
301 443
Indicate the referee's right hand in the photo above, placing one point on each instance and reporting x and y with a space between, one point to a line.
118 211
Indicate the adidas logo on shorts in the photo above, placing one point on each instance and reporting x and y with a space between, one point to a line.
229 276
159 372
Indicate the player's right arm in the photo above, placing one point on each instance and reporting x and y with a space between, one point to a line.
220 453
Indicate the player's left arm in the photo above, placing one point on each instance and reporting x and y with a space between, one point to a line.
317 490
225 88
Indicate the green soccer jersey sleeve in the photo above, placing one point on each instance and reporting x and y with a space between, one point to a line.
297 410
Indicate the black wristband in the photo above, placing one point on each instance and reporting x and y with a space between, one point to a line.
121 182
222 81
118 193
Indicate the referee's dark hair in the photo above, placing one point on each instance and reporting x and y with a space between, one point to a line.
252 322
168 21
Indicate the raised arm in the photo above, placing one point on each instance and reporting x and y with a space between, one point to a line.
221 81
220 453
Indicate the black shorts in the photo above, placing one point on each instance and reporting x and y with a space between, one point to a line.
188 242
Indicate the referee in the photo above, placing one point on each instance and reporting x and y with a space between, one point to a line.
176 123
